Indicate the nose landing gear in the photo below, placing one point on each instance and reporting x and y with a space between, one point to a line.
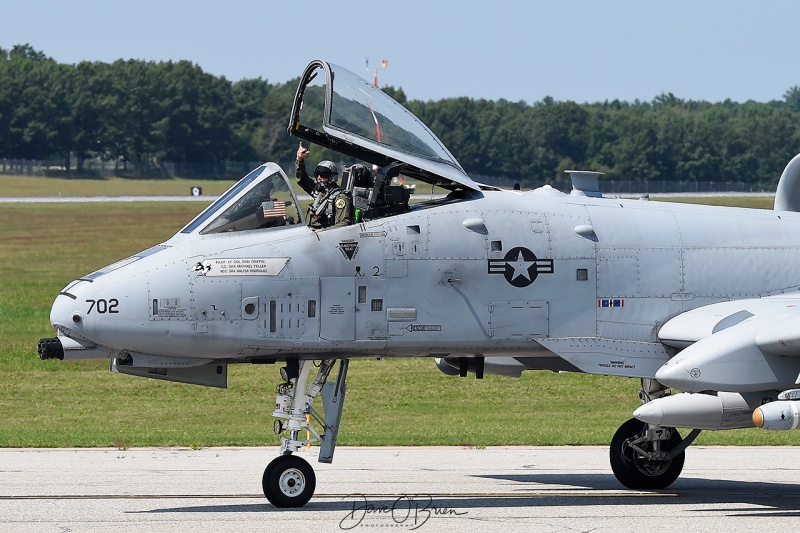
288 480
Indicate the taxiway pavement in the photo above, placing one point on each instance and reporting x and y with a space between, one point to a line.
433 489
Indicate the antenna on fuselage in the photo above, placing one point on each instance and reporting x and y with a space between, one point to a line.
585 183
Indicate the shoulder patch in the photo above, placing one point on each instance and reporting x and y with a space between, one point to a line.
340 203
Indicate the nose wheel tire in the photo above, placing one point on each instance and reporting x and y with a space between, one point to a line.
637 471
288 481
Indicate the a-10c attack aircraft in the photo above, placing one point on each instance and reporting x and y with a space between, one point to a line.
703 300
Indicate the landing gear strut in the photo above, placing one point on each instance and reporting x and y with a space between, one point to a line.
289 481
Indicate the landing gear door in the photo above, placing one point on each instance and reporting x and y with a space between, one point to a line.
337 309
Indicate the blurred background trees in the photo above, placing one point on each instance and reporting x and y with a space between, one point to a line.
142 114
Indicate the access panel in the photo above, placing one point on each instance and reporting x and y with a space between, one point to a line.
337 309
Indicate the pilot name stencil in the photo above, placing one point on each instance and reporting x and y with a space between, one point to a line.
520 266
270 266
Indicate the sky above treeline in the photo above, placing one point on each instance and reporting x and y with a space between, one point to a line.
579 50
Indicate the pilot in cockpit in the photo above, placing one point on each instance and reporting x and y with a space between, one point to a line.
331 205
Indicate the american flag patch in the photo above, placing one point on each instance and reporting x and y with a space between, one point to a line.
274 208
611 302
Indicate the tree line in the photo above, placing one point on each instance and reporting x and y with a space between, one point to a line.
146 113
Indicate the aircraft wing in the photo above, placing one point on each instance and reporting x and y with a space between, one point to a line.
779 335
738 346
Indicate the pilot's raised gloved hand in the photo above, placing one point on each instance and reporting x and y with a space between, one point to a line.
302 152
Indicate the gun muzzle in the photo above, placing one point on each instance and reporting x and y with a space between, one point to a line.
51 349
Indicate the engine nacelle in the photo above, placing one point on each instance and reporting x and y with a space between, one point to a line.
787 196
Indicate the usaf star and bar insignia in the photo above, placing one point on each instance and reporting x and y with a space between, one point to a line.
520 266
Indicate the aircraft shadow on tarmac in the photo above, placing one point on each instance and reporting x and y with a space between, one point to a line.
757 499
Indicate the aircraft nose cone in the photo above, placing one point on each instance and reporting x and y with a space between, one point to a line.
63 312
675 375
67 313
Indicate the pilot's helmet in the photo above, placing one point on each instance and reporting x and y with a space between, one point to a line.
327 169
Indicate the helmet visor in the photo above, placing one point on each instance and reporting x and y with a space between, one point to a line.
325 172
